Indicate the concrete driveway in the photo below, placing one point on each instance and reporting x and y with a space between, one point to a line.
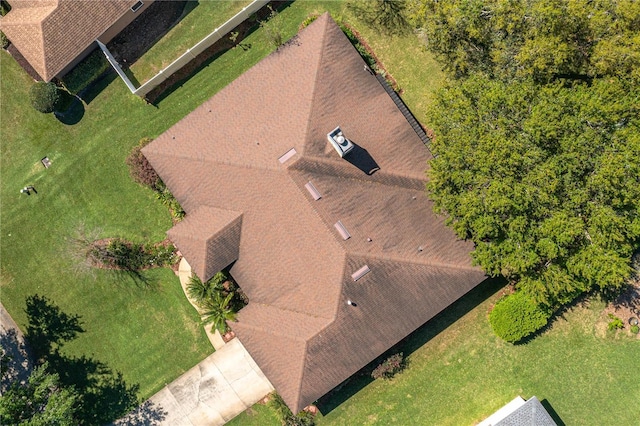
215 391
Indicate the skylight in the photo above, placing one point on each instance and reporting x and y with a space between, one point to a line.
342 230
287 155
360 273
313 191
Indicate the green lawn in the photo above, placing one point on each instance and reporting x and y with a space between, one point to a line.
204 16
464 373
149 333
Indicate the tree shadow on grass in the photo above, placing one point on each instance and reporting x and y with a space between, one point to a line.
104 394
147 414
412 342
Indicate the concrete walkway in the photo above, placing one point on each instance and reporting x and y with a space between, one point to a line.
213 392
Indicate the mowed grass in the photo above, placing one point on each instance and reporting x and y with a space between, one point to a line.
202 18
148 332
459 373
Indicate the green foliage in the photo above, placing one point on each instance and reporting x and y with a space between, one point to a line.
362 50
129 256
386 16
615 323
86 72
5 7
635 329
309 19
4 41
540 39
217 310
41 401
544 179
199 291
517 316
166 198
139 167
389 367
272 28
277 404
44 96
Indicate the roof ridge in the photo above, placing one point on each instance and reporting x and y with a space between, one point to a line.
315 79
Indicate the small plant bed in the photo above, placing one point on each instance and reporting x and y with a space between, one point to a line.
621 315
117 253
218 300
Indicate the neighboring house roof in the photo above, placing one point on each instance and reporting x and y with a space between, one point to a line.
50 34
292 262
519 412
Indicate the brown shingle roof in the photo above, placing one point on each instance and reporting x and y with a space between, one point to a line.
50 34
292 263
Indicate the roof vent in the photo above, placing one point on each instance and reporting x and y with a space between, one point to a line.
313 191
342 230
340 142
360 273
287 155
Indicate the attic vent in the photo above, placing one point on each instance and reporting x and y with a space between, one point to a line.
136 6
287 155
342 230
360 273
313 191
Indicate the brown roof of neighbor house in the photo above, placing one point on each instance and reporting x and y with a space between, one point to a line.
293 264
50 34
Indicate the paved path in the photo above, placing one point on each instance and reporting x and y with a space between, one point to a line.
12 341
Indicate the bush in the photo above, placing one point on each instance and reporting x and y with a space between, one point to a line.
166 197
123 254
615 323
285 415
389 367
308 20
4 41
139 167
517 316
635 329
44 96
87 71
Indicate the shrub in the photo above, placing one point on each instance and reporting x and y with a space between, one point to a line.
517 316
277 404
123 254
140 169
166 197
87 71
615 323
635 329
389 367
308 20
272 28
44 96
4 41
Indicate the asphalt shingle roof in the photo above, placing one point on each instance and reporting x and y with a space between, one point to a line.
291 262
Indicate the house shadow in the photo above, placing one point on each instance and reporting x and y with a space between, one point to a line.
361 158
556 418
103 394
89 93
412 342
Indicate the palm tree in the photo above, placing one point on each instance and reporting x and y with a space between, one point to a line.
216 310
197 290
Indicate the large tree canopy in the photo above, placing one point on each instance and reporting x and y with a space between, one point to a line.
542 39
544 179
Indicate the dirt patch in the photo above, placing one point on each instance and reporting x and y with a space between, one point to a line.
626 307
